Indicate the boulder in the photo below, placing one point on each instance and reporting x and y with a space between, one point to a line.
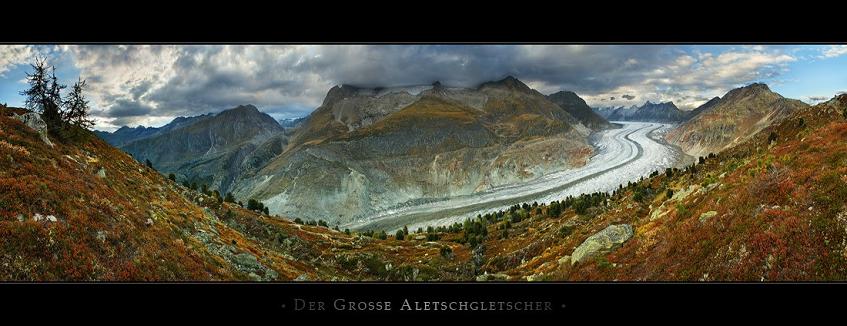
34 121
605 240
302 278
247 260
492 277
48 218
101 173
707 215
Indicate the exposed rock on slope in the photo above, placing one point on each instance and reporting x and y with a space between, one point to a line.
366 150
729 120
609 238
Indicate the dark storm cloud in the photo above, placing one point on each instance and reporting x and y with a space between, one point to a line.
124 109
578 68
292 80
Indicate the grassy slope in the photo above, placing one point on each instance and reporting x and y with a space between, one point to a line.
102 231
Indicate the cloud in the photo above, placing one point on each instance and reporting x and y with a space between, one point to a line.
131 84
124 108
12 55
834 51
690 78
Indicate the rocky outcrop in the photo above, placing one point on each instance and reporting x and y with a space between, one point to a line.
34 121
605 240
44 218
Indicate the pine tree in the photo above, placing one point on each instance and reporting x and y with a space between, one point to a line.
52 114
252 204
77 111
37 96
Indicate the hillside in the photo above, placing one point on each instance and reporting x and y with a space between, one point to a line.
87 211
212 149
769 208
125 135
580 110
731 119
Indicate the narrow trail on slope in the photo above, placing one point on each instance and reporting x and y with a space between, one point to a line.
621 151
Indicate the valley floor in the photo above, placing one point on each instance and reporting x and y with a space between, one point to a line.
622 155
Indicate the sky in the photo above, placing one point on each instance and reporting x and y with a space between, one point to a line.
152 84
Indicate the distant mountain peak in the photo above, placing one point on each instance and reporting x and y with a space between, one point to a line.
659 104
509 82
754 89
758 86
245 107
564 94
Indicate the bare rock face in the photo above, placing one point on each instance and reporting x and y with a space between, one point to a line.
608 239
730 120
366 151
34 121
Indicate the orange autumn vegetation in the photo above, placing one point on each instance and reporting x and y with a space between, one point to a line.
135 224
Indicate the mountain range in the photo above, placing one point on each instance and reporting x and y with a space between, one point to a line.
369 150
665 112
